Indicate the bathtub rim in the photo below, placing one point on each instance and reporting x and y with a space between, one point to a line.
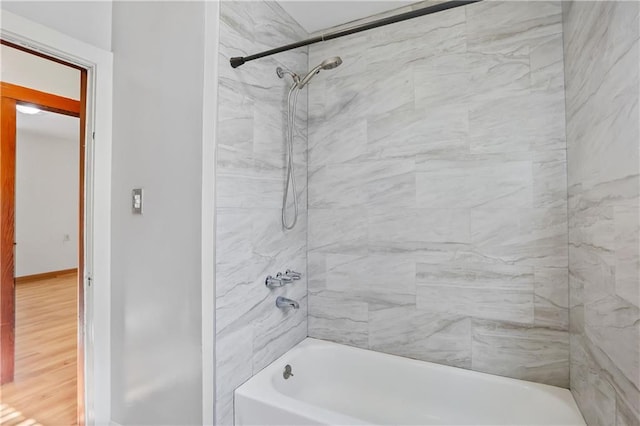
260 387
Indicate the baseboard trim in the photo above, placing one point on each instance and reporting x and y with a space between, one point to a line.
45 275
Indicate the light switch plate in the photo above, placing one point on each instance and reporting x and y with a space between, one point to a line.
136 201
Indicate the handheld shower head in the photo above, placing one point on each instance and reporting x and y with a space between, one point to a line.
331 63
327 64
294 90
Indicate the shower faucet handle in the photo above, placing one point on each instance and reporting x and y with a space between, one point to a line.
293 274
284 278
272 282
278 281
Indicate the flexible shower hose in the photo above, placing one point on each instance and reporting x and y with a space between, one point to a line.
290 179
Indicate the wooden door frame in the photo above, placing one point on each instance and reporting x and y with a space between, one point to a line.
10 96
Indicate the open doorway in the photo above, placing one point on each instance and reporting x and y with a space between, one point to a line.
42 248
46 262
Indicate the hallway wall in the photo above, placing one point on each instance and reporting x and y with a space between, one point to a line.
47 190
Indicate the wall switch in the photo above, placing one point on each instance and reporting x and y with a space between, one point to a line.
136 201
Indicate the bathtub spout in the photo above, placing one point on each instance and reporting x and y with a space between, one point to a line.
283 302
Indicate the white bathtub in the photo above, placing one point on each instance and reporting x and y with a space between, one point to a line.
334 384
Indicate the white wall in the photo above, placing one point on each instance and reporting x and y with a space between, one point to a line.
27 70
156 258
46 203
88 21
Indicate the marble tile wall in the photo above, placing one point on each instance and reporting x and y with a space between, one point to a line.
250 168
602 57
437 198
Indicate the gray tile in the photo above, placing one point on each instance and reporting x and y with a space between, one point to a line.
390 183
551 298
529 353
279 329
576 304
459 169
614 326
534 237
471 182
550 179
427 336
337 144
407 132
250 170
424 37
603 168
388 273
349 48
224 409
518 123
547 63
235 129
248 294
234 351
410 227
247 188
338 186
316 270
275 248
595 396
332 316
495 76
625 415
500 292
627 253
496 27
377 91
233 247
338 230
442 82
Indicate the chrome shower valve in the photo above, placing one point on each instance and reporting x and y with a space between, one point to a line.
278 281
284 277
272 282
293 274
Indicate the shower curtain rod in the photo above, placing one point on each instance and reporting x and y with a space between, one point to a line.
239 60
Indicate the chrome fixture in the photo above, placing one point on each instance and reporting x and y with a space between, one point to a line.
278 281
284 303
287 372
298 83
281 279
327 64
281 72
284 278
293 274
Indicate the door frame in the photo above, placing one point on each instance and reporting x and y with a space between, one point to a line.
10 96
96 279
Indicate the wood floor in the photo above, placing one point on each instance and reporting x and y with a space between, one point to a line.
44 389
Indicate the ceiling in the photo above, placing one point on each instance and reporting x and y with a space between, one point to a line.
315 15
49 124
